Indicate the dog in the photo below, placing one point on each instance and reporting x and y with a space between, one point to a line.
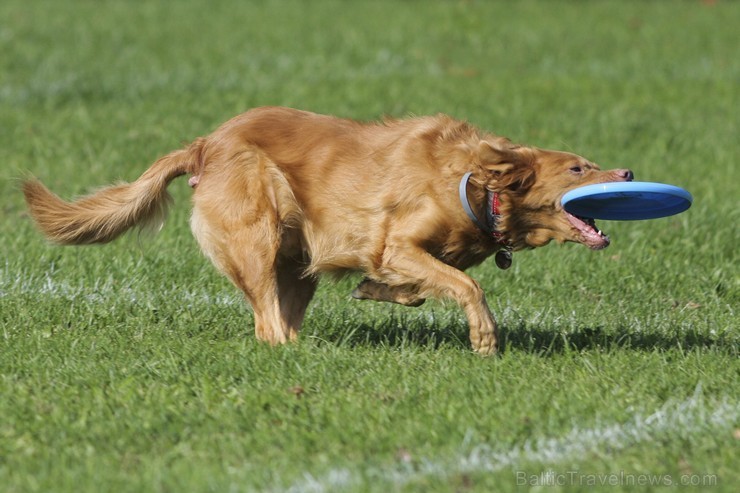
282 195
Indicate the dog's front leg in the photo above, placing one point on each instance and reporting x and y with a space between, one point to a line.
376 291
413 266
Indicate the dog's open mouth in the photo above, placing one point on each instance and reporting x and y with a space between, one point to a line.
591 236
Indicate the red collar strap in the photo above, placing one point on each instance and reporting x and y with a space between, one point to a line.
493 210
493 218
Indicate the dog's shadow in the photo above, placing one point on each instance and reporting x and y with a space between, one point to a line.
543 340
532 338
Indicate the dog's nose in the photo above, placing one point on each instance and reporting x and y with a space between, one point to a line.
626 174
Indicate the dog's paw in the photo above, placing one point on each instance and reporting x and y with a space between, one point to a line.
485 342
360 293
489 348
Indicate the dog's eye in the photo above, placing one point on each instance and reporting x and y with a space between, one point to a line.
576 170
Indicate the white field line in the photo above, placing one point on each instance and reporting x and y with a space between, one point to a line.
107 291
110 290
692 417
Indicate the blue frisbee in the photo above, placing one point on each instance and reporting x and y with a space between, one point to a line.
627 201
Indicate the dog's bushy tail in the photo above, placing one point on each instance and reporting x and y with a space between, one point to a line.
109 212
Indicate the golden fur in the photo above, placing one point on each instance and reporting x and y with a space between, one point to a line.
282 195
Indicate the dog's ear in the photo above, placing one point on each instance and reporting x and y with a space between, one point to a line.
497 156
508 165
519 179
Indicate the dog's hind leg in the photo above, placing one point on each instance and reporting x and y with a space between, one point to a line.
295 290
274 286
237 224
248 257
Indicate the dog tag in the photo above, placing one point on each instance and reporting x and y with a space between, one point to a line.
503 259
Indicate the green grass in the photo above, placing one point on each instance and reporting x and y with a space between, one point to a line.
133 367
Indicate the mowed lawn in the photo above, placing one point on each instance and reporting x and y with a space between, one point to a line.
133 367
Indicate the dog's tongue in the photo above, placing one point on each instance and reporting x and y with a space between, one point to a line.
591 236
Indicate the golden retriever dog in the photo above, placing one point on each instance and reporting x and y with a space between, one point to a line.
281 195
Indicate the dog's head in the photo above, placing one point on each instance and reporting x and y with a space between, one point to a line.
532 182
